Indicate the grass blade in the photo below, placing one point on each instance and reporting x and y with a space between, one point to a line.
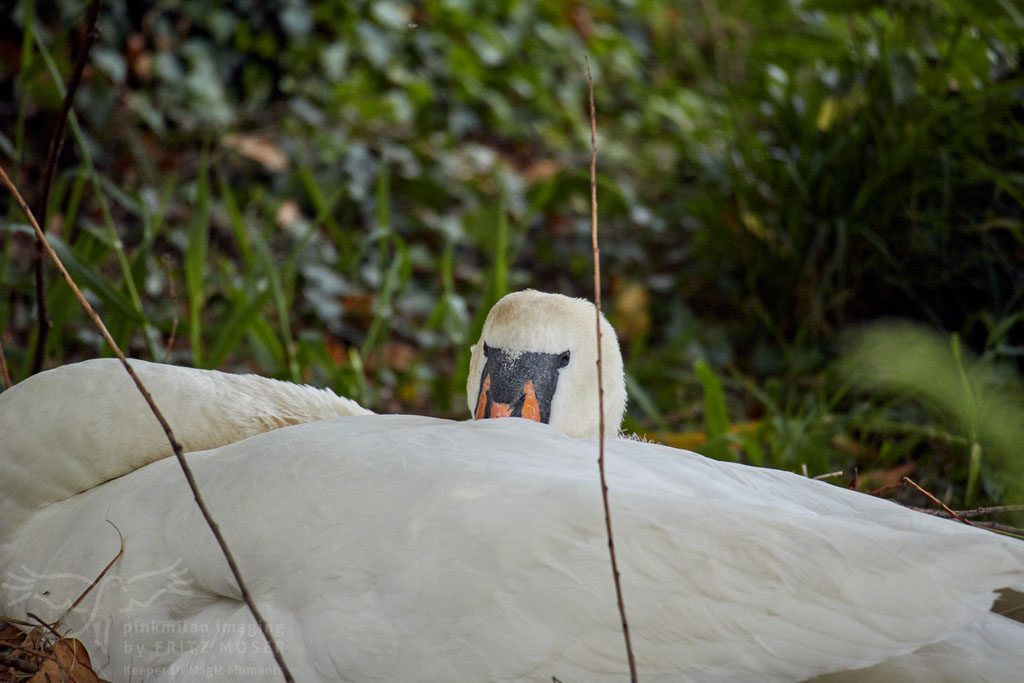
93 280
195 260
716 418
231 330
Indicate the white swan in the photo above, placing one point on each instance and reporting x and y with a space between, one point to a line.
399 548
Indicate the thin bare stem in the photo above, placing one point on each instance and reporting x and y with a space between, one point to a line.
20 648
174 304
52 158
998 509
99 578
3 368
976 512
600 382
885 489
178 451
1004 529
42 314
937 501
48 627
854 484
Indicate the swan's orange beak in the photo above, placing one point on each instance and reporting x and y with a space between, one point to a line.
530 409
518 383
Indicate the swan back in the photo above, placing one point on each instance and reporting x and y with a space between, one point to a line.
401 548
69 429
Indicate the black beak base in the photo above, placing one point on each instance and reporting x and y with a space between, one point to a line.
518 384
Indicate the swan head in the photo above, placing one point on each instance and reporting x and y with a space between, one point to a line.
537 358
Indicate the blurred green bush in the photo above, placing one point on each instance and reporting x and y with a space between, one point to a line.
335 191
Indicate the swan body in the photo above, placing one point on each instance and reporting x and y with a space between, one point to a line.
393 548
408 548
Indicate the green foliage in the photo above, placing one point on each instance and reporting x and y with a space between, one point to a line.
715 418
340 191
983 404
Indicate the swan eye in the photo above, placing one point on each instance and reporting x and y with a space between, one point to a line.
563 359
487 349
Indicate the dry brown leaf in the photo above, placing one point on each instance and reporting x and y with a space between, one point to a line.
893 476
71 662
541 170
855 449
35 638
358 303
689 441
632 310
399 355
11 633
288 213
261 150
338 352
140 61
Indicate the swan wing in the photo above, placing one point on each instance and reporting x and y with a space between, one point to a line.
66 430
